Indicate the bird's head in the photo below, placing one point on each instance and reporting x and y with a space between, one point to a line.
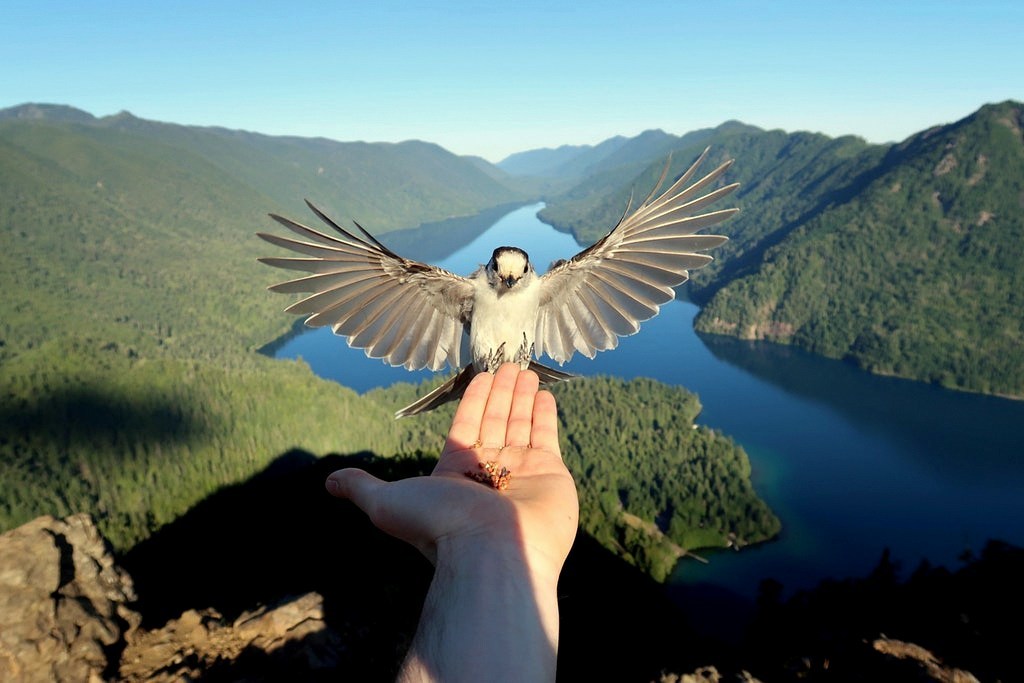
508 265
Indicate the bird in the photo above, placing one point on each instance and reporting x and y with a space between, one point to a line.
417 315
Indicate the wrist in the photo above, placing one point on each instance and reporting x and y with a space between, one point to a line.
489 554
489 615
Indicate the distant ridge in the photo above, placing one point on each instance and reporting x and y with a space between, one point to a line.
542 162
385 186
580 161
46 112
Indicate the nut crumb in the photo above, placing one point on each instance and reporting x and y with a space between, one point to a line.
491 475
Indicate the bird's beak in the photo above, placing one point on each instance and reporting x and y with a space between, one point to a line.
509 281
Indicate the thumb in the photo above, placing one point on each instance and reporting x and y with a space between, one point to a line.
400 516
357 485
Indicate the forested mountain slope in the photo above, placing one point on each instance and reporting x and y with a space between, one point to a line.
384 186
130 385
920 273
783 177
904 258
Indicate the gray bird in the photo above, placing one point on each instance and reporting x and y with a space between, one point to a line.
420 316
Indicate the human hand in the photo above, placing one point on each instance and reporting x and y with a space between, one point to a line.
498 553
504 419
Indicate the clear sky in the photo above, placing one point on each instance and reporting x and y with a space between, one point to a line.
492 78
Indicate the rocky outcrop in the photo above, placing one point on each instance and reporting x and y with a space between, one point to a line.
63 602
708 674
928 666
292 636
66 615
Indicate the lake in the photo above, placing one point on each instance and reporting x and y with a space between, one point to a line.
851 463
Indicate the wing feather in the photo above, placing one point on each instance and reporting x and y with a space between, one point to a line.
565 330
309 265
333 298
633 284
321 282
684 262
409 333
663 280
368 320
586 339
409 313
616 320
602 334
609 288
671 243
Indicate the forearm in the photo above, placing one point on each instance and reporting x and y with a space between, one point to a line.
487 617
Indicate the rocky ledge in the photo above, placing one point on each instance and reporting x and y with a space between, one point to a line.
66 615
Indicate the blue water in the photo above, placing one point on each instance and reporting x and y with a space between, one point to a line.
851 463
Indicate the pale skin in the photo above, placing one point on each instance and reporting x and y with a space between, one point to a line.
491 612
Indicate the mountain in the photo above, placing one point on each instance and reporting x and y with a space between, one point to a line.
595 203
905 259
542 162
187 605
384 186
46 112
919 273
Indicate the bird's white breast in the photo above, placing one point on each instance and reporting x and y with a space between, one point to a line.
508 318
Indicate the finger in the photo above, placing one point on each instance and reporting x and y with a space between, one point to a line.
465 429
545 423
520 421
360 487
499 404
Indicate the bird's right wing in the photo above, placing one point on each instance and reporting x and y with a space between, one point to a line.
609 288
406 312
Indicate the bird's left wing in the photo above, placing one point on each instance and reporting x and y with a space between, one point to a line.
406 312
608 289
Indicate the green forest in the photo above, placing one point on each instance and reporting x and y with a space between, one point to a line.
132 386
906 259
920 275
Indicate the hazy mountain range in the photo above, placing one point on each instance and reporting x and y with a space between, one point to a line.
905 258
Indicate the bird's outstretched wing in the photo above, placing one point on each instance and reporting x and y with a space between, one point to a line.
406 312
609 288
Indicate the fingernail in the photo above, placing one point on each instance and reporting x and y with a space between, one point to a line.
333 487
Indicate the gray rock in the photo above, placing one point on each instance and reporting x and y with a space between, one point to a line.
64 604
66 615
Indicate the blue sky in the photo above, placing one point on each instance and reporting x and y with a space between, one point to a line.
491 78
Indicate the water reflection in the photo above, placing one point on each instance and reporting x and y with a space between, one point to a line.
972 438
436 242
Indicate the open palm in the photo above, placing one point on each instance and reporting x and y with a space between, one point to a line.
502 419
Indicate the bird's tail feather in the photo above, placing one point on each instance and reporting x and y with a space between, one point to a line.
549 376
456 386
449 391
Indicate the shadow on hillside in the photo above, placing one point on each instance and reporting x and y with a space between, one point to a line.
280 534
91 414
